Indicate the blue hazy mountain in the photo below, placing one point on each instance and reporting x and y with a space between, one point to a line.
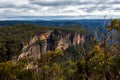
89 24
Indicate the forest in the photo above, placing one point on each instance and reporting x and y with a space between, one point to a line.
95 60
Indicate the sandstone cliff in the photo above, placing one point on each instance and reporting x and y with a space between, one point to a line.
51 40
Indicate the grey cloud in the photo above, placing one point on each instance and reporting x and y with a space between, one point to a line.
7 6
3 6
57 3
93 8
99 5
58 7
116 9
115 2
72 2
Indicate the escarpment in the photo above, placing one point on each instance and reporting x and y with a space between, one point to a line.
50 41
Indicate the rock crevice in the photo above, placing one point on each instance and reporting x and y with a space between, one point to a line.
50 41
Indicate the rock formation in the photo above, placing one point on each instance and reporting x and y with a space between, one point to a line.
51 40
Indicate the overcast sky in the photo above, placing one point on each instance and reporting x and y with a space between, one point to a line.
41 9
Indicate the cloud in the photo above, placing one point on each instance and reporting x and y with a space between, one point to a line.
58 3
32 8
72 2
99 8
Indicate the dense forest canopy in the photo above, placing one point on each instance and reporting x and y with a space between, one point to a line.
101 62
13 37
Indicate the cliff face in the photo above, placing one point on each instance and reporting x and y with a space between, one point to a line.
51 40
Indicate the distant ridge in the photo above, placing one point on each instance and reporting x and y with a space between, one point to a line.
89 24
56 23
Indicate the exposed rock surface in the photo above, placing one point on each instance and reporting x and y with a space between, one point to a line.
51 40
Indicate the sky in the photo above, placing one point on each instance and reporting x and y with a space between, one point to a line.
58 9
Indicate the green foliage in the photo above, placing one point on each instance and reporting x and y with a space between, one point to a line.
12 38
100 62
114 25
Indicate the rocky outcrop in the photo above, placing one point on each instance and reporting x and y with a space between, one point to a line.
51 40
